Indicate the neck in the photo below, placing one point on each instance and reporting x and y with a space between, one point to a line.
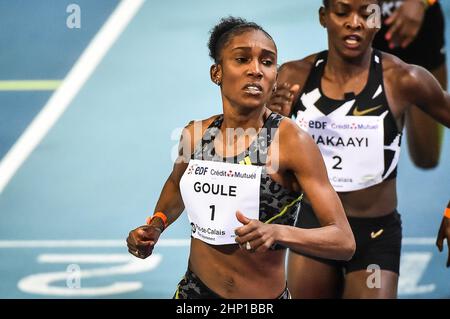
341 69
236 117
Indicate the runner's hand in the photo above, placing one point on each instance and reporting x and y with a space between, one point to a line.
282 99
444 233
405 23
142 240
254 236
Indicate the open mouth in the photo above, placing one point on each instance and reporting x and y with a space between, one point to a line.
352 40
253 89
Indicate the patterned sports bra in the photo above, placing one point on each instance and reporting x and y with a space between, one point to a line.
277 204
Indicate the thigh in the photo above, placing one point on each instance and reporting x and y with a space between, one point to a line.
378 284
309 278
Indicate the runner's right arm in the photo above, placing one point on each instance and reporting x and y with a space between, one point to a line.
142 240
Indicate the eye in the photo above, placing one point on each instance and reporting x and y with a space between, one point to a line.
241 60
267 62
341 14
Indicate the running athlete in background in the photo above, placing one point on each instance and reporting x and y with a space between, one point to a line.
352 100
242 216
413 30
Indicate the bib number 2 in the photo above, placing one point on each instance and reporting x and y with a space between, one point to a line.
338 160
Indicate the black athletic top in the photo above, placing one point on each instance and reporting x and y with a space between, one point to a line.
371 101
278 205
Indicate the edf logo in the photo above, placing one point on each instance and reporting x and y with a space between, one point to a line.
317 125
191 168
201 170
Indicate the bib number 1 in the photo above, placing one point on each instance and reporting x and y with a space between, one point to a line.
213 211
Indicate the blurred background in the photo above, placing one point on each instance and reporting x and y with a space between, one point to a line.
93 94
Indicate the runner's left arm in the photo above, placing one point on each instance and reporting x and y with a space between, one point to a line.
421 88
334 240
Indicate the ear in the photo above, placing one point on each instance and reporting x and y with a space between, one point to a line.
322 12
216 74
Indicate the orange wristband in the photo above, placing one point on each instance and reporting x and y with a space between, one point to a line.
447 212
160 215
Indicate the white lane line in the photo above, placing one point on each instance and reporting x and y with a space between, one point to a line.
84 258
84 243
412 268
420 241
71 85
47 283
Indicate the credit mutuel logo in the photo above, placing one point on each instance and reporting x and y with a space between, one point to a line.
201 170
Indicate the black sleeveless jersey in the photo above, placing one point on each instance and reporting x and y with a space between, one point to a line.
278 205
371 101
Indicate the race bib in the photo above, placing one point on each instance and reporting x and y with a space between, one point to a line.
212 193
352 148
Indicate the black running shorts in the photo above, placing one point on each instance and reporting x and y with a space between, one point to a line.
378 240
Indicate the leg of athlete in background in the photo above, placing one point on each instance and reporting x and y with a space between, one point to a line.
310 279
362 285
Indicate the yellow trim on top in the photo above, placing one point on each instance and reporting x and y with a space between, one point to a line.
246 161
177 292
284 210
30 85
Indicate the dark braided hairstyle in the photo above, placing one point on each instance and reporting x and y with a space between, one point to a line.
326 3
222 32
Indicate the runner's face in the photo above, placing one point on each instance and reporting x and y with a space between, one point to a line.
350 26
249 69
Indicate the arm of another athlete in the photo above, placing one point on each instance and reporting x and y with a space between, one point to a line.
291 79
334 239
405 23
425 137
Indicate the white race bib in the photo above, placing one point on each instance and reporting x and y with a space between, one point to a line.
352 147
212 193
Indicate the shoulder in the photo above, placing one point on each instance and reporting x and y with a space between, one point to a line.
296 71
306 155
292 136
196 127
304 64
405 78
203 124
193 132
